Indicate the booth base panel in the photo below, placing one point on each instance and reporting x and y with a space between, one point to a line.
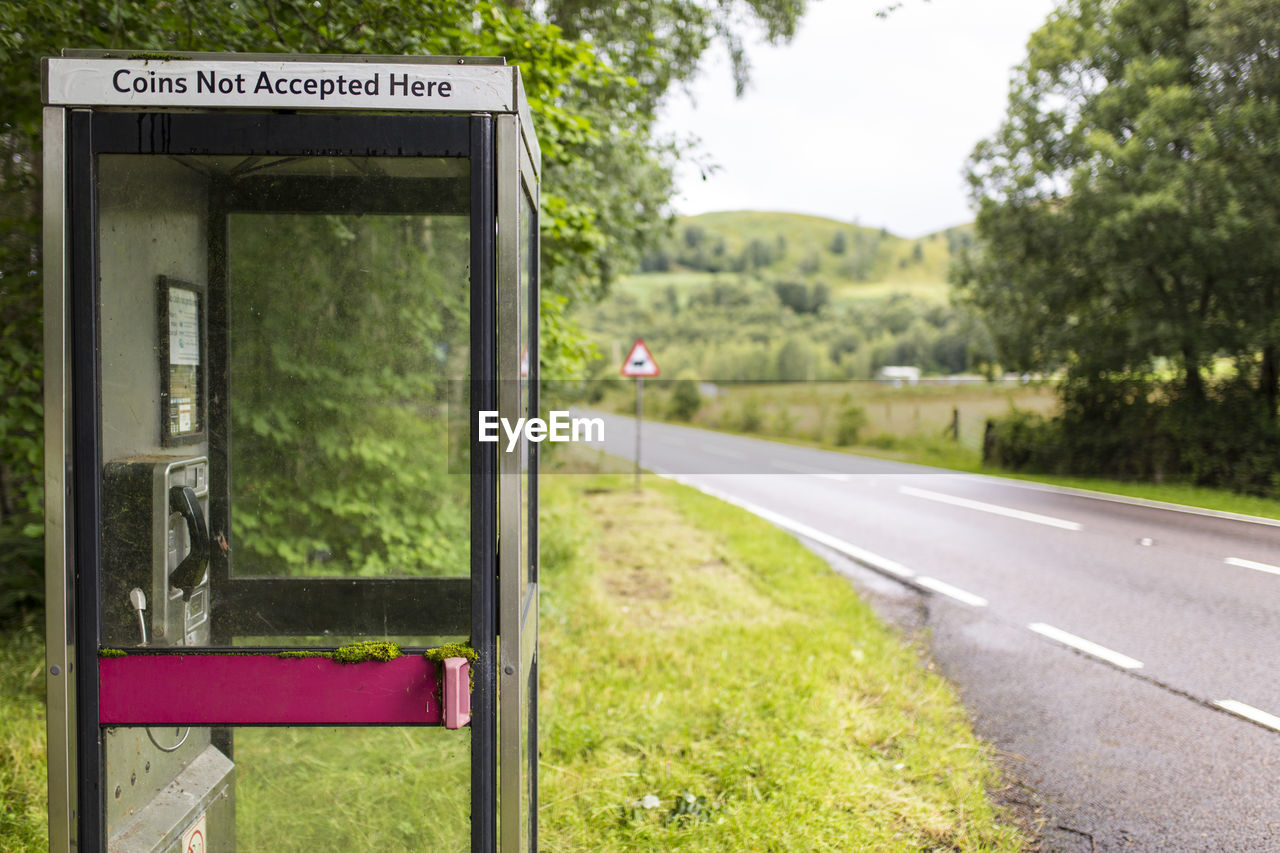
194 812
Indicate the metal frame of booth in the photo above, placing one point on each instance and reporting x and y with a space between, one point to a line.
494 132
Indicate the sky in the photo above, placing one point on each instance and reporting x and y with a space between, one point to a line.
858 118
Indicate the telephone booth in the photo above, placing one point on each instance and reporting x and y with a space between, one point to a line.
292 597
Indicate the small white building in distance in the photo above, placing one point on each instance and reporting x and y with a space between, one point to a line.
898 374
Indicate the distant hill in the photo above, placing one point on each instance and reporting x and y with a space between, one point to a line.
805 249
754 296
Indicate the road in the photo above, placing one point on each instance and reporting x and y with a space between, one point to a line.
1122 656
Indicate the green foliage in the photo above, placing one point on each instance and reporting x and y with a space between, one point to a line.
685 400
802 298
1142 430
1021 441
1127 223
21 377
795 248
850 421
734 329
749 418
593 76
342 358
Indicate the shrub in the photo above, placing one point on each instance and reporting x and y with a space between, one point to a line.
750 418
850 421
685 400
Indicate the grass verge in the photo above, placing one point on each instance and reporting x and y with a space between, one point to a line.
23 814
709 684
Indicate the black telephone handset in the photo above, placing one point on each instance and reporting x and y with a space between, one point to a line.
188 573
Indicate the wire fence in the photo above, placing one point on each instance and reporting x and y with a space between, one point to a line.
968 429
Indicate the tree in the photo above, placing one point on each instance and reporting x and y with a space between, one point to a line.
1243 76
1128 220
1104 220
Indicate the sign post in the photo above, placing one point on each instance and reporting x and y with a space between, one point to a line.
639 364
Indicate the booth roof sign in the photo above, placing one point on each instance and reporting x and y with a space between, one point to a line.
333 83
640 362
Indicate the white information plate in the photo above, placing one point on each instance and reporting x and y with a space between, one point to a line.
74 81
195 840
184 326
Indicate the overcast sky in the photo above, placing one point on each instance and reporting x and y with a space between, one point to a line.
858 117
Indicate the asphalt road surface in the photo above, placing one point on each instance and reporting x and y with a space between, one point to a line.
1122 656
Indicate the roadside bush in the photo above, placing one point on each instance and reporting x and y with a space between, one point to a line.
750 418
884 441
850 421
685 400
784 423
1136 430
1021 441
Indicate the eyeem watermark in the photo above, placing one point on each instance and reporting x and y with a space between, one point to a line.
559 427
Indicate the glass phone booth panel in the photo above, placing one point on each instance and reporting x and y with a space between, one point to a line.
302 433
273 333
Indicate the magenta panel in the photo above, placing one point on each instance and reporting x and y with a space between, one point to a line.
246 690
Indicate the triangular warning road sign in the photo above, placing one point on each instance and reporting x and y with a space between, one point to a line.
640 362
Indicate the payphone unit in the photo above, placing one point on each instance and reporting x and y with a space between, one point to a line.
279 290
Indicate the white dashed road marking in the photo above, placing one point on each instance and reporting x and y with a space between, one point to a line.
1250 564
1086 646
1249 712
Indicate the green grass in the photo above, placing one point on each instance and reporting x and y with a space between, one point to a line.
23 813
385 789
901 423
693 654
934 292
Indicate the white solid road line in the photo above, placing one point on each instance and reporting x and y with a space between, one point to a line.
861 555
1250 564
720 451
994 509
1083 645
1249 712
952 591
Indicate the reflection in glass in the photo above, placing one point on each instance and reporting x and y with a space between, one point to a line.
353 789
357 789
344 333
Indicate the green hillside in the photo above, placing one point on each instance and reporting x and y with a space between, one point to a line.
854 262
755 296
